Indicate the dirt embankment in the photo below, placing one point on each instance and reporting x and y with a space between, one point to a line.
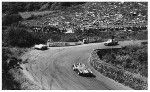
12 76
122 76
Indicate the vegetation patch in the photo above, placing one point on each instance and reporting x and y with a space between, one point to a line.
133 58
134 77
19 37
12 77
7 20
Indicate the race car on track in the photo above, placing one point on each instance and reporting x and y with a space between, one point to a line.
82 70
111 42
41 47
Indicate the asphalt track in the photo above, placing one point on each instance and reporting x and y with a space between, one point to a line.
52 69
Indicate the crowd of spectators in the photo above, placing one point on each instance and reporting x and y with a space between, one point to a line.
95 15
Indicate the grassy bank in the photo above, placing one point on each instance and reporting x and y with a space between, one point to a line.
127 78
13 78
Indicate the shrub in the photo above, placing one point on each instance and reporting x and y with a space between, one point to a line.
9 19
5 55
20 37
72 40
131 58
56 38
9 82
142 56
119 75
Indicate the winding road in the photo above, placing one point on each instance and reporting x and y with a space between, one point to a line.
52 68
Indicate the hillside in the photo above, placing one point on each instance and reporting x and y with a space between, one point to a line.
26 24
99 17
35 6
95 15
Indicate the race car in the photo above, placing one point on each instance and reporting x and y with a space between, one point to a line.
111 42
41 47
82 70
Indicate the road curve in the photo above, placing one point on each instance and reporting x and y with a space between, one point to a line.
52 68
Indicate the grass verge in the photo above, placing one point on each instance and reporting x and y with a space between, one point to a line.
119 75
14 79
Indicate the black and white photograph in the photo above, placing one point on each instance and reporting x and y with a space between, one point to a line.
74 45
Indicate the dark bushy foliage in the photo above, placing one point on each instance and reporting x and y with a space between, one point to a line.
5 55
72 40
8 74
131 58
118 74
9 82
20 37
56 37
9 19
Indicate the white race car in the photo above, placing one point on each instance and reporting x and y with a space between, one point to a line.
41 47
82 70
111 42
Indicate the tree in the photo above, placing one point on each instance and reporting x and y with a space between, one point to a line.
14 7
78 32
19 37
9 19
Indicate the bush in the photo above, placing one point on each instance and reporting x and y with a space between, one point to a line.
131 58
12 53
9 82
8 74
6 53
72 40
9 19
20 37
118 74
56 38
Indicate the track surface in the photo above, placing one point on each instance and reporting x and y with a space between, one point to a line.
52 68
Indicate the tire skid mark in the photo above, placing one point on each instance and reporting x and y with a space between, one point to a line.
47 66
51 82
62 73
57 73
33 71
61 84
